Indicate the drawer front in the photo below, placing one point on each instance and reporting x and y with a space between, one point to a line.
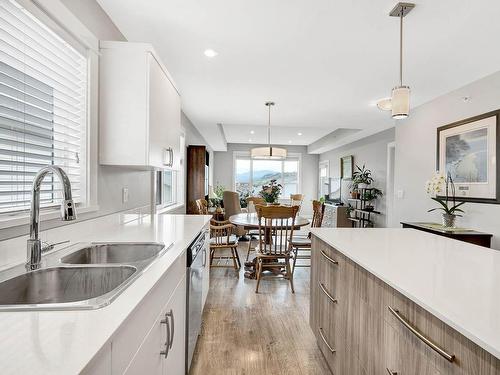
401 356
133 331
437 341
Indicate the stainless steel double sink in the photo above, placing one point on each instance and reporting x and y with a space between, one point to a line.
86 276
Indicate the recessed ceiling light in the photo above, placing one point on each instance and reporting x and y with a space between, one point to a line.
249 140
252 132
289 141
210 53
299 133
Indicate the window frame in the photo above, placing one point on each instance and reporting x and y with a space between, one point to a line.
55 15
159 181
292 156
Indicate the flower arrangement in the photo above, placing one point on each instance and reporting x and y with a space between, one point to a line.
436 187
271 191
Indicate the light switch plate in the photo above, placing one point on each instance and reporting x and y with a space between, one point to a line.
400 194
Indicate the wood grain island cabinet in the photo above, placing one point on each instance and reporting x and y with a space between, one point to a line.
363 326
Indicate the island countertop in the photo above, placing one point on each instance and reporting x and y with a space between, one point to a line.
457 282
64 342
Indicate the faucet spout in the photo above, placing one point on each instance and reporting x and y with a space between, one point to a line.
34 253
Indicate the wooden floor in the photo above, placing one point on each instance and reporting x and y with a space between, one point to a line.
259 334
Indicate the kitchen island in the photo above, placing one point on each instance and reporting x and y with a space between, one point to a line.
403 301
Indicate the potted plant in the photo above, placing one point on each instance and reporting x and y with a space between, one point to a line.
369 196
244 194
437 185
271 192
350 211
215 198
361 177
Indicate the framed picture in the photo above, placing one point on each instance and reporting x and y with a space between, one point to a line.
467 150
346 164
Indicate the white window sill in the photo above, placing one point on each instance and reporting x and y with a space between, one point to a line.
169 209
14 220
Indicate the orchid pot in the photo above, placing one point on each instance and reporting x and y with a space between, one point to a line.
449 220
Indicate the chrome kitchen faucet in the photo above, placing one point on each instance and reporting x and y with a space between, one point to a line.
34 246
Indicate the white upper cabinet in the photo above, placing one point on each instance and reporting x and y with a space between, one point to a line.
140 108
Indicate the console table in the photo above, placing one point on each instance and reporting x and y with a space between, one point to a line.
466 235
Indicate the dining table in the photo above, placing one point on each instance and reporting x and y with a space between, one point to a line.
250 221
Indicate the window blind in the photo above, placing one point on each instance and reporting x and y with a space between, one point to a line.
43 101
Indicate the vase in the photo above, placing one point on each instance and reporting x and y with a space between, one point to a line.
449 220
363 186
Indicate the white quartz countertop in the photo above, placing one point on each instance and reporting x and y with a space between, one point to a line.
457 282
64 342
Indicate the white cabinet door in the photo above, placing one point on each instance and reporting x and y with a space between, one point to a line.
149 359
163 349
164 119
140 108
174 363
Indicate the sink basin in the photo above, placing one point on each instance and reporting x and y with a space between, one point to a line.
114 253
62 285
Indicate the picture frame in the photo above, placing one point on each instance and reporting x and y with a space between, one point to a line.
346 167
467 150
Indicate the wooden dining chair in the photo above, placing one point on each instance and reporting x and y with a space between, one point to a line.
202 206
276 226
253 234
302 245
223 240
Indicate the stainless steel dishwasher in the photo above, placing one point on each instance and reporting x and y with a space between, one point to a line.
196 260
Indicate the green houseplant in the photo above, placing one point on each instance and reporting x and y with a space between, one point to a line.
215 200
435 187
369 196
361 177
271 191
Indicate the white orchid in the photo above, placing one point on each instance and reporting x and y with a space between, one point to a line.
438 188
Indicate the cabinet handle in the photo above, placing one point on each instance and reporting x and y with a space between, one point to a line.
165 321
171 162
204 257
324 340
334 300
436 348
172 331
331 260
390 372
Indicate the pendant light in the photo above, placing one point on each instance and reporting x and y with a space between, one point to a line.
269 152
399 103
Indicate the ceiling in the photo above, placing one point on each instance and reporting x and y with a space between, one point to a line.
324 62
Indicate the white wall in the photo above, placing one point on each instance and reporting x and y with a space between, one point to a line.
371 151
223 170
416 154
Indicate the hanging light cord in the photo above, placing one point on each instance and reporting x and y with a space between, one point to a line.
269 126
401 46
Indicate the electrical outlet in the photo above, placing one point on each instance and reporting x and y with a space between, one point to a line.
124 195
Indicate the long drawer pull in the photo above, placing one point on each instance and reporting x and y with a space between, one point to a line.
333 261
334 300
436 348
390 372
324 340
